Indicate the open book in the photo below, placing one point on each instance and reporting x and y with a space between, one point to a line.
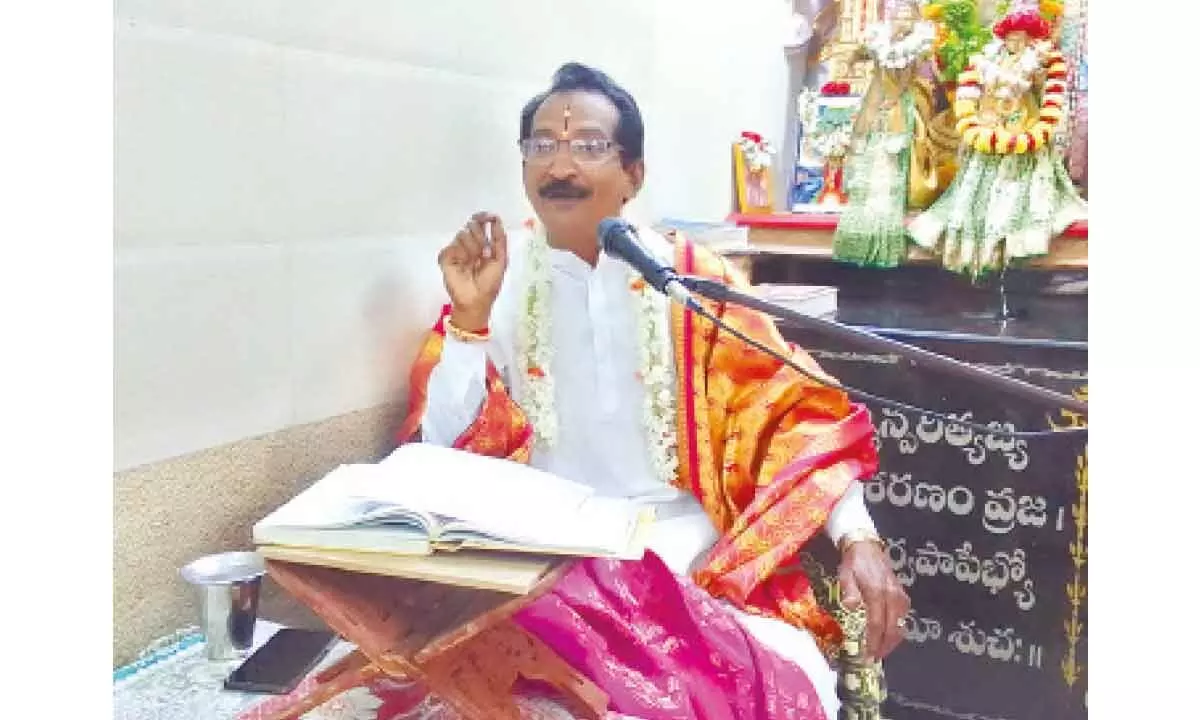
424 498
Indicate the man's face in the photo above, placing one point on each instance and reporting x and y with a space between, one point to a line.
573 172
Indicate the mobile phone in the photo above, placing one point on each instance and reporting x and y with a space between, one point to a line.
282 662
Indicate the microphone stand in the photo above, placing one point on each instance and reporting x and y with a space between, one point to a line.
720 292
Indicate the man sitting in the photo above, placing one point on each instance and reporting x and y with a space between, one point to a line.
553 354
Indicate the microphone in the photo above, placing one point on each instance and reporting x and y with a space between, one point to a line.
618 238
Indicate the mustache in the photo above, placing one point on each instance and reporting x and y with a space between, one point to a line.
563 190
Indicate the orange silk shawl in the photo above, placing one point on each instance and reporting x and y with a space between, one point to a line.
767 451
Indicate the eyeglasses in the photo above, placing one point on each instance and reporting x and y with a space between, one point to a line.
586 151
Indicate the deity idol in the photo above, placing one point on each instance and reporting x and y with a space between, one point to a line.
1011 194
871 230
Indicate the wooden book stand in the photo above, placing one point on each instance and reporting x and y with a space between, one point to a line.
459 642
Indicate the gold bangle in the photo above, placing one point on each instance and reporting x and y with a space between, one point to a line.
466 335
857 536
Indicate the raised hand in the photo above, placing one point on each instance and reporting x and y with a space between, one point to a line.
473 269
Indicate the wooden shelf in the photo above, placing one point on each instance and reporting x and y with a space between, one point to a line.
810 235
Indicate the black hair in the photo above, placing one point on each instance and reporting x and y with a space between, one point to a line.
573 76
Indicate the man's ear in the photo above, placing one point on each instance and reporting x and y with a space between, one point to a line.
636 172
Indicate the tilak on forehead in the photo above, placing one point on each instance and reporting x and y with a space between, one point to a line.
566 120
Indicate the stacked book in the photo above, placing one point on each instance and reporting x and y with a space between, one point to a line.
717 236
811 300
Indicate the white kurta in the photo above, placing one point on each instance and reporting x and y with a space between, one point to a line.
599 401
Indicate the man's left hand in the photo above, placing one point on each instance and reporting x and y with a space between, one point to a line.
866 577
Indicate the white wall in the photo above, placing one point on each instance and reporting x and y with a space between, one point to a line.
286 171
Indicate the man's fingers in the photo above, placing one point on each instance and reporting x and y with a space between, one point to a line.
876 619
475 239
853 598
499 239
493 234
866 570
898 606
850 594
485 221
453 254
472 250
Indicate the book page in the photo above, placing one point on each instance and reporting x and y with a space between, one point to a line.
602 526
454 499
463 486
331 503
500 499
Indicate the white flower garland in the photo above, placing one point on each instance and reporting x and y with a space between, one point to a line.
758 155
992 73
535 354
899 54
654 343
832 141
535 351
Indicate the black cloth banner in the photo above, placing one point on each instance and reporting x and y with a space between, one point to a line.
989 535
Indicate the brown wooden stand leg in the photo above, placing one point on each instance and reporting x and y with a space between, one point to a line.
478 676
460 643
352 671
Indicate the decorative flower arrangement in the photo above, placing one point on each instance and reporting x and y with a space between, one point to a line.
757 151
1051 9
960 33
899 54
534 353
826 134
1029 22
986 70
958 36
833 141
